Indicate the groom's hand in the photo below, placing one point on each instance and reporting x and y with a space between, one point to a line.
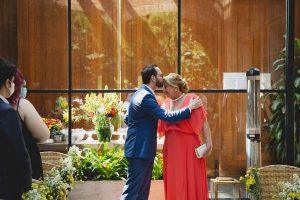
195 103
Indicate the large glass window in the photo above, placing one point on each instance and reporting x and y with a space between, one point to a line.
149 35
229 36
113 40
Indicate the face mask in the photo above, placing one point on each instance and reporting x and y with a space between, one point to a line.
11 88
23 92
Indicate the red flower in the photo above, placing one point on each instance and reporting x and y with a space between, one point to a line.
91 114
113 112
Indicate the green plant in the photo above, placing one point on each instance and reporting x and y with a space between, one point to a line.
157 172
97 164
101 110
276 126
57 181
54 125
61 104
38 191
289 190
109 164
252 182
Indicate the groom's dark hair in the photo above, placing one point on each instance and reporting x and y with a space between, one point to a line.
147 72
7 70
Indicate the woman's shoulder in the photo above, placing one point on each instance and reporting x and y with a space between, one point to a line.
190 95
26 106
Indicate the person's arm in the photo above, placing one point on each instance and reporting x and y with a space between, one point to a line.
207 138
150 106
13 132
126 119
33 121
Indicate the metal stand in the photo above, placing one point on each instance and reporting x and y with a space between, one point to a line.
253 145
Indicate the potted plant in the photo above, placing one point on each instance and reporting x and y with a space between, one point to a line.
101 169
252 182
55 126
276 125
103 111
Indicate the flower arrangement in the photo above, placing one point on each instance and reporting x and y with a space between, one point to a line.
102 110
58 181
109 111
289 190
55 126
252 182
61 105
38 191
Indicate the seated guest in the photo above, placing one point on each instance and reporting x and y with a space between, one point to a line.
15 167
33 128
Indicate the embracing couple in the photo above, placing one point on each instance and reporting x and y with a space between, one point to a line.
182 120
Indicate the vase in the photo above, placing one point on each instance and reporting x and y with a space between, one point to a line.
104 133
57 138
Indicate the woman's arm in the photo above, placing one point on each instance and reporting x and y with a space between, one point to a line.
33 121
207 137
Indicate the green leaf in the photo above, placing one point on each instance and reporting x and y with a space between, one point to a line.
297 97
279 66
297 82
276 104
278 61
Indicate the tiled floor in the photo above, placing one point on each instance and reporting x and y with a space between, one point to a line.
111 190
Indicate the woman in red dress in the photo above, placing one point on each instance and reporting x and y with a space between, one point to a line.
184 174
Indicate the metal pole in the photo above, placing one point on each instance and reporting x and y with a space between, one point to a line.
253 131
289 84
70 73
179 38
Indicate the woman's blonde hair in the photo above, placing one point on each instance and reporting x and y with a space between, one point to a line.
176 80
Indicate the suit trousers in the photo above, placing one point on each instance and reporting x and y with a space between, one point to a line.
137 186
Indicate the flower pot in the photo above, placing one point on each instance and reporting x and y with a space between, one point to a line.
58 138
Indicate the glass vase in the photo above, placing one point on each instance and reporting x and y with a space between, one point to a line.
104 133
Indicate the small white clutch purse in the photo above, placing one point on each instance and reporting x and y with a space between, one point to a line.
200 150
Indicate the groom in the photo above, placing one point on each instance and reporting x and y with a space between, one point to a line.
140 144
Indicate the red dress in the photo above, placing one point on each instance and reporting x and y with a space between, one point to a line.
184 174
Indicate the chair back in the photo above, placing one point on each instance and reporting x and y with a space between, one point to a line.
47 167
52 157
272 174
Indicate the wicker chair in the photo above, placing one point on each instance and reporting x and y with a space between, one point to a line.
271 175
36 181
52 157
47 167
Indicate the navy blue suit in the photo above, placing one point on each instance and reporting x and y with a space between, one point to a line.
15 167
140 144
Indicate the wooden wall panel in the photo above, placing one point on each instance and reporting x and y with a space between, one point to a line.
42 44
8 30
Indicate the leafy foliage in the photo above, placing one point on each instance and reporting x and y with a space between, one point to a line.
252 182
157 172
109 164
276 126
58 181
102 165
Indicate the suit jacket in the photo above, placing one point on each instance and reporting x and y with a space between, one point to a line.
142 117
15 167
